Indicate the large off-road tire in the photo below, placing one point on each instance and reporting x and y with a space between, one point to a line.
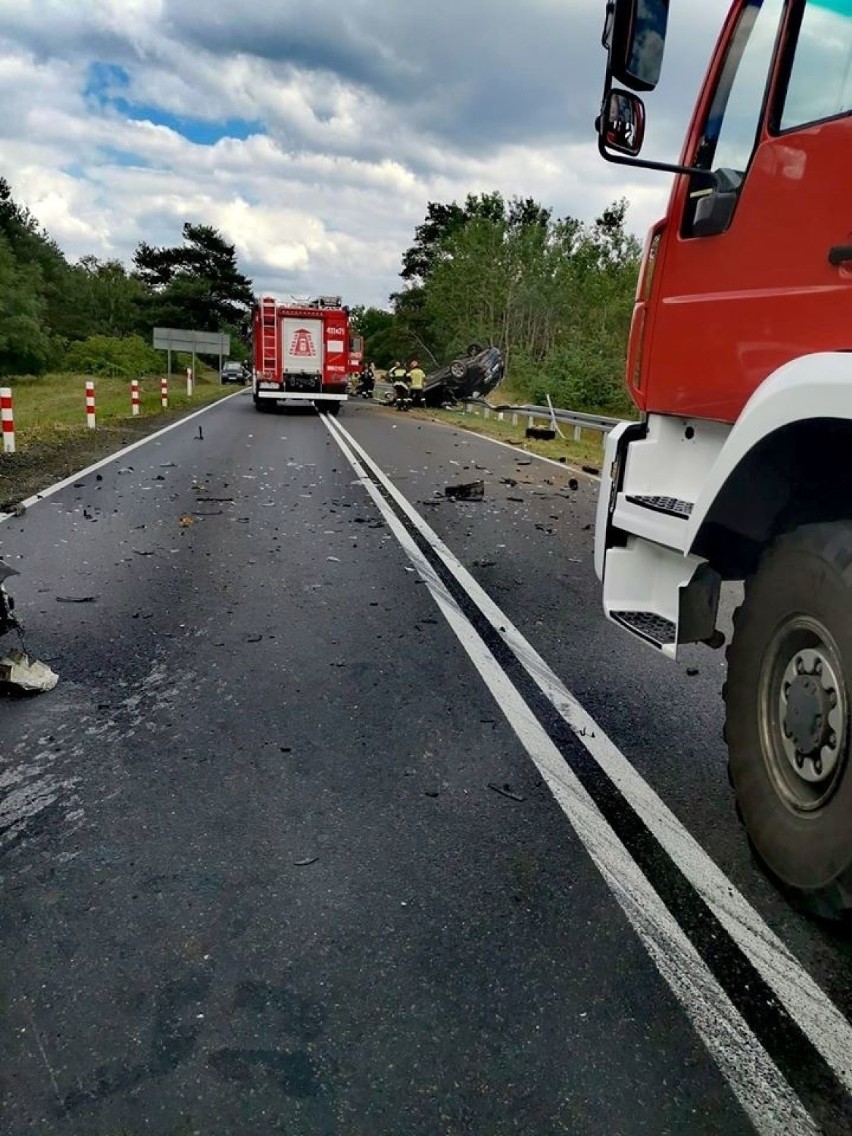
787 700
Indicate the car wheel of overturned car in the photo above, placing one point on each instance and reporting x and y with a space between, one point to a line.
458 369
788 715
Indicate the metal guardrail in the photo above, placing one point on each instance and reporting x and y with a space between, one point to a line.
572 418
514 414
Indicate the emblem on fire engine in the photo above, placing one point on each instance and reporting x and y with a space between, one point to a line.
303 344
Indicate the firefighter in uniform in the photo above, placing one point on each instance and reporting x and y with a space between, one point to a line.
416 378
397 376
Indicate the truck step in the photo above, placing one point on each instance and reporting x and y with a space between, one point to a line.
654 629
671 506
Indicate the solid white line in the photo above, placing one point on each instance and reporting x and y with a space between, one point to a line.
758 1085
30 501
820 1020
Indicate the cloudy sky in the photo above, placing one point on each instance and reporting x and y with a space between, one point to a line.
312 133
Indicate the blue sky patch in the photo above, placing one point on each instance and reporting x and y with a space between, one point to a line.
106 82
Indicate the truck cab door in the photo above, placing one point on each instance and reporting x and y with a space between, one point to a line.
754 271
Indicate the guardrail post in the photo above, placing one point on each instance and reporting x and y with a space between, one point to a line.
8 420
514 420
578 433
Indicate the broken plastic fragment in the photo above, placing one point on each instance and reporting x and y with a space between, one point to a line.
472 491
29 675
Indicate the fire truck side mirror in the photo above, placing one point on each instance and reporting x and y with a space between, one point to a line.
623 125
635 36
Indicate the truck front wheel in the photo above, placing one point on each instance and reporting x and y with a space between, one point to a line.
787 715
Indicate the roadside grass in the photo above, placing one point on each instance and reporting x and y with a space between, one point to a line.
588 451
52 440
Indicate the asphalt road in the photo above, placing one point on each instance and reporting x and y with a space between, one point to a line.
311 839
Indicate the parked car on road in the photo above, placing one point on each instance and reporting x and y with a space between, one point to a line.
234 373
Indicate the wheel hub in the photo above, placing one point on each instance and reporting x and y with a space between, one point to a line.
811 719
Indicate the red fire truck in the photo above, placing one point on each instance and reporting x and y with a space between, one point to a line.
740 360
301 353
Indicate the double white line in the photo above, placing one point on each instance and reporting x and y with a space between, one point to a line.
763 1091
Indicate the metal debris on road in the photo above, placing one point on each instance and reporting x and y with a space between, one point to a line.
76 599
505 791
28 675
470 491
305 863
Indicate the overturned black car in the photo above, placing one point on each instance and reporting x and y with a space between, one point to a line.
473 375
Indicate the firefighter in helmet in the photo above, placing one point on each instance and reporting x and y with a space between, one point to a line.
397 377
416 379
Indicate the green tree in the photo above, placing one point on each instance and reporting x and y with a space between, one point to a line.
554 294
25 342
109 300
197 284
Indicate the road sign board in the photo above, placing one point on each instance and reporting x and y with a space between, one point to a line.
199 342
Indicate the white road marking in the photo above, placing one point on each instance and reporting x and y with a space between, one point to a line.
30 501
748 1068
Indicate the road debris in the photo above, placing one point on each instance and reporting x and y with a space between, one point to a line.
306 862
505 791
77 599
592 469
542 433
185 521
573 483
469 491
692 671
28 675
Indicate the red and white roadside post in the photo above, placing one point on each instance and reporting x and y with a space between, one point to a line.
134 397
90 404
7 419
164 393
189 382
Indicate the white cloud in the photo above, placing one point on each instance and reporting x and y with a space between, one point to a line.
363 117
